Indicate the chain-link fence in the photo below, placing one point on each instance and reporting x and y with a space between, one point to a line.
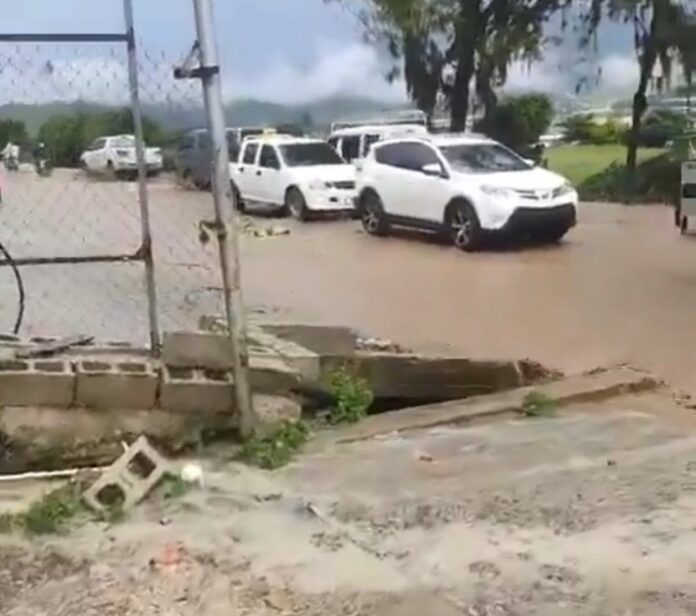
72 213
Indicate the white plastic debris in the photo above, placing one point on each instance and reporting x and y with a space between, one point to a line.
193 473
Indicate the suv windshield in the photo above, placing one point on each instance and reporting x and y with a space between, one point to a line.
309 154
483 158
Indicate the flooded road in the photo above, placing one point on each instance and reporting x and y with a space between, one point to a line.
620 288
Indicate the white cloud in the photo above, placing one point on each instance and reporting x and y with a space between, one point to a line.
356 69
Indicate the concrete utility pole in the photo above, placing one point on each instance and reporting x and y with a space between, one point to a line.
225 210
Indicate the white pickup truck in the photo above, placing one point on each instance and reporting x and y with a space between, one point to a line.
115 155
298 175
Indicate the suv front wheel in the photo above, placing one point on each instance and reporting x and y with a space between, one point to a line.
463 226
372 215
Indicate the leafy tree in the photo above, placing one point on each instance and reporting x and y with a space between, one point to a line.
661 29
12 130
473 41
519 121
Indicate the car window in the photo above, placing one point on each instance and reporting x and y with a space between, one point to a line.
233 145
269 158
98 144
310 154
333 142
483 158
123 142
250 153
370 140
204 141
407 155
350 148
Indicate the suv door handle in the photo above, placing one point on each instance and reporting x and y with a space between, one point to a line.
241 169
259 173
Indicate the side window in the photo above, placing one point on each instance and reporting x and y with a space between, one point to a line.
269 158
333 142
350 149
370 140
233 145
410 156
98 144
250 153
204 142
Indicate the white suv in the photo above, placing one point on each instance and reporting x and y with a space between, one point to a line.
298 175
464 186
354 142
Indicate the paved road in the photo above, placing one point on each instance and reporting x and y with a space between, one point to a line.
621 288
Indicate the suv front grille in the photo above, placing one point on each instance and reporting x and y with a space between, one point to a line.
344 185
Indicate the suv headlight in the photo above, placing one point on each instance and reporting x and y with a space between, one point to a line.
497 192
563 190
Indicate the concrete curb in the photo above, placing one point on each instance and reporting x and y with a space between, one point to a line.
584 388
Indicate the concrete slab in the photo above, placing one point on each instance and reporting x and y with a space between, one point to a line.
582 388
321 339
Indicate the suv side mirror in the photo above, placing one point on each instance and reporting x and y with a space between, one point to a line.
530 161
432 169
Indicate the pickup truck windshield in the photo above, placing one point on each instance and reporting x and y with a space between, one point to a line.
483 158
310 154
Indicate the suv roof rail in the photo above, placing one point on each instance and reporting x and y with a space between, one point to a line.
411 116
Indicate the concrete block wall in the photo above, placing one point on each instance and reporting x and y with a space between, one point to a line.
39 382
115 385
196 390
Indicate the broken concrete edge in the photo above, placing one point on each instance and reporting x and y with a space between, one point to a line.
509 404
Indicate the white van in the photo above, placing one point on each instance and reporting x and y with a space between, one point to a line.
353 143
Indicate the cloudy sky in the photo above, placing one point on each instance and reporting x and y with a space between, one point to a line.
294 50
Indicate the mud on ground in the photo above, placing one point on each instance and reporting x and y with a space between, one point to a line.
588 513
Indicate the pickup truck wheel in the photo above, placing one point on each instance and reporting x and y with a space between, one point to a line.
463 226
684 225
296 205
238 202
372 215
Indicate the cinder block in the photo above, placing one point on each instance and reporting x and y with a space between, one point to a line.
194 390
322 339
271 374
304 361
133 475
116 385
36 383
196 350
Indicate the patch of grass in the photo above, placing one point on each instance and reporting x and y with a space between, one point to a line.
277 449
353 397
579 163
538 404
173 486
53 512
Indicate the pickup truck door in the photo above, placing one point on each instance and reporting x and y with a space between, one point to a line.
245 172
269 176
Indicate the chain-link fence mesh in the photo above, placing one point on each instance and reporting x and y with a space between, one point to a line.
67 96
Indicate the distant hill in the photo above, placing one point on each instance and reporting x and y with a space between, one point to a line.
243 112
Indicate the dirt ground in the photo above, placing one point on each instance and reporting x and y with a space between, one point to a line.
621 288
588 513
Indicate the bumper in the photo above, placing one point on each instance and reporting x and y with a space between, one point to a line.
133 166
530 221
331 201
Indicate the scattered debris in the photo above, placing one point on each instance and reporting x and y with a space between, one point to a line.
538 404
128 480
193 474
249 227
380 345
171 556
46 349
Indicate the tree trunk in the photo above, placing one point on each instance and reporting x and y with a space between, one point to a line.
484 90
640 102
465 44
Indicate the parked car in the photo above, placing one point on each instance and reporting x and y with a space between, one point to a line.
298 175
116 155
194 156
464 187
354 142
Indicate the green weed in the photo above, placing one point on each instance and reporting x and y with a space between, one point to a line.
537 404
53 512
277 449
353 397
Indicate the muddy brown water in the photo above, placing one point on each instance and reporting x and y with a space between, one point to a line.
620 288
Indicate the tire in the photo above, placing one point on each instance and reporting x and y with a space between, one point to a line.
238 202
677 216
463 226
684 225
374 221
295 204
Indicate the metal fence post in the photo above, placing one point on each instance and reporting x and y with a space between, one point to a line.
146 246
225 211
